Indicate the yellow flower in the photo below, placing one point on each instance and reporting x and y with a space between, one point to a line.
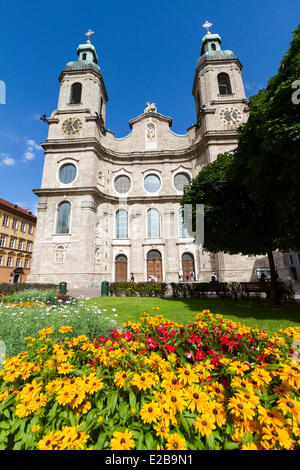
46 331
289 405
238 367
240 408
65 329
205 424
48 442
122 440
187 375
35 428
249 446
120 378
65 368
175 442
197 399
150 412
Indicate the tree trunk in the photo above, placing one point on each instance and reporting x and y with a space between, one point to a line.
275 298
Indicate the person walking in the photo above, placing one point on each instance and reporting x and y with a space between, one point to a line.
131 277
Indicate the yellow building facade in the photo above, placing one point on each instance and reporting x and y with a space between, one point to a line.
17 231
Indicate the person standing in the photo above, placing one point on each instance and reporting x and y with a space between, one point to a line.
213 277
131 277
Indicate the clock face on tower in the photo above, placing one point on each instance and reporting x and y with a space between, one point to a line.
230 115
71 126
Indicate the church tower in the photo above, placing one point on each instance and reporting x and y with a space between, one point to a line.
65 234
218 90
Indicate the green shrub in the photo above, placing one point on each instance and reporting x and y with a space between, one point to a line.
142 289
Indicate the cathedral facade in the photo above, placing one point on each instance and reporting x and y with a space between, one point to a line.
108 206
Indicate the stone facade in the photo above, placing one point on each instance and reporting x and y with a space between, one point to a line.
94 222
17 231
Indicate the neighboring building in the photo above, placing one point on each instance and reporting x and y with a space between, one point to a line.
292 262
17 231
111 206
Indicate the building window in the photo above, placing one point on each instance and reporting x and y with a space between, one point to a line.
28 246
181 180
63 217
18 263
152 183
22 226
224 84
20 245
153 223
121 224
183 231
84 56
12 243
122 184
213 46
76 90
26 263
15 223
291 259
30 229
1 260
9 261
2 240
5 220
188 266
67 173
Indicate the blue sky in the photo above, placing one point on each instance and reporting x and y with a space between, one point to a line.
147 52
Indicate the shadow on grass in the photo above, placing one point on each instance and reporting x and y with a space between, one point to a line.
243 309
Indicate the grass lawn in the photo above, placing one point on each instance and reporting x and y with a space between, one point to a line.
252 313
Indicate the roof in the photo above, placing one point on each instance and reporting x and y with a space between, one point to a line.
82 65
217 55
17 210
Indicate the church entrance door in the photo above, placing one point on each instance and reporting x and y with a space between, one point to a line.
121 268
188 264
154 265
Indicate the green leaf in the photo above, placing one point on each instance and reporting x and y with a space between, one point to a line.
112 401
211 441
149 441
132 399
230 445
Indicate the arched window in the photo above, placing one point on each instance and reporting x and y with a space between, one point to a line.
153 224
183 231
213 46
76 90
63 217
84 56
122 224
224 84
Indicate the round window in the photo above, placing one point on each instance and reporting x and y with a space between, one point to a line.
181 180
152 183
122 184
67 173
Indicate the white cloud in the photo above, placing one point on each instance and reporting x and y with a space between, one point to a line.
31 147
6 160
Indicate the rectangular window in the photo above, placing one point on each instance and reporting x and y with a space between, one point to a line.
18 264
12 243
2 240
15 223
28 246
5 221
298 256
30 228
20 244
291 259
1 260
9 261
23 226
26 263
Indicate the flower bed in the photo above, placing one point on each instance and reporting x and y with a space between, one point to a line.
155 385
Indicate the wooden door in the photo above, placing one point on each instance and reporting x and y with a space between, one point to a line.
121 269
188 264
154 268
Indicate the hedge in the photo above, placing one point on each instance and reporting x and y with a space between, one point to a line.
142 289
10 288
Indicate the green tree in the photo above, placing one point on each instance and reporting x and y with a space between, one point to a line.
251 196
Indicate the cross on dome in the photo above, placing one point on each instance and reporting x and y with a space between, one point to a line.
207 25
88 34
